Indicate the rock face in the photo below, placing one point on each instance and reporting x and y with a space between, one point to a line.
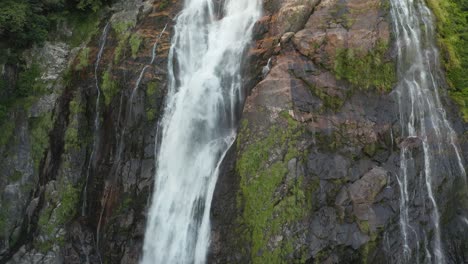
74 192
313 175
311 179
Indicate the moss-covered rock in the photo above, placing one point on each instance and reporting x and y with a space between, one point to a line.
452 32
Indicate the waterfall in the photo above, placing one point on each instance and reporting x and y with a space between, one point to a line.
102 44
198 127
423 118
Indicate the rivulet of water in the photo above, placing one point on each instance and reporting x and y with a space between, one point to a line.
199 125
422 117
102 45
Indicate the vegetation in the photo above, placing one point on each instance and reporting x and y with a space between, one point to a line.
152 92
109 87
56 216
28 82
6 131
24 23
452 32
265 214
72 140
122 31
83 59
135 42
371 70
39 133
28 86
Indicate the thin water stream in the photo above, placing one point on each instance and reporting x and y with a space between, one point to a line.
423 120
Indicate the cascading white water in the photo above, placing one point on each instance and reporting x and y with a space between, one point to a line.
422 116
102 44
198 127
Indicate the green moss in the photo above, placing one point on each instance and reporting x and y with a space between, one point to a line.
163 4
72 140
372 70
109 87
4 209
120 48
39 134
123 34
452 33
121 45
364 226
152 89
56 216
135 42
265 214
69 200
122 27
83 59
7 128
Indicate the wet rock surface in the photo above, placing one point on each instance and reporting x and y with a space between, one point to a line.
312 177
343 134
83 200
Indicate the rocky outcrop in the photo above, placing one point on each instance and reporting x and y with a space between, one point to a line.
315 169
315 153
311 179
78 190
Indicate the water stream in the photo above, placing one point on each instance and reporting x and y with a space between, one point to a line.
423 120
102 44
198 127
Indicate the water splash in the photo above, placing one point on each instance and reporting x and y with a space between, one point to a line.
422 116
102 44
198 127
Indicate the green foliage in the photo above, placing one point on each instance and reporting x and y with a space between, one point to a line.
56 216
28 82
24 23
39 134
21 24
452 27
135 42
109 87
265 214
372 70
69 200
94 5
6 131
4 208
83 26
83 59
13 15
